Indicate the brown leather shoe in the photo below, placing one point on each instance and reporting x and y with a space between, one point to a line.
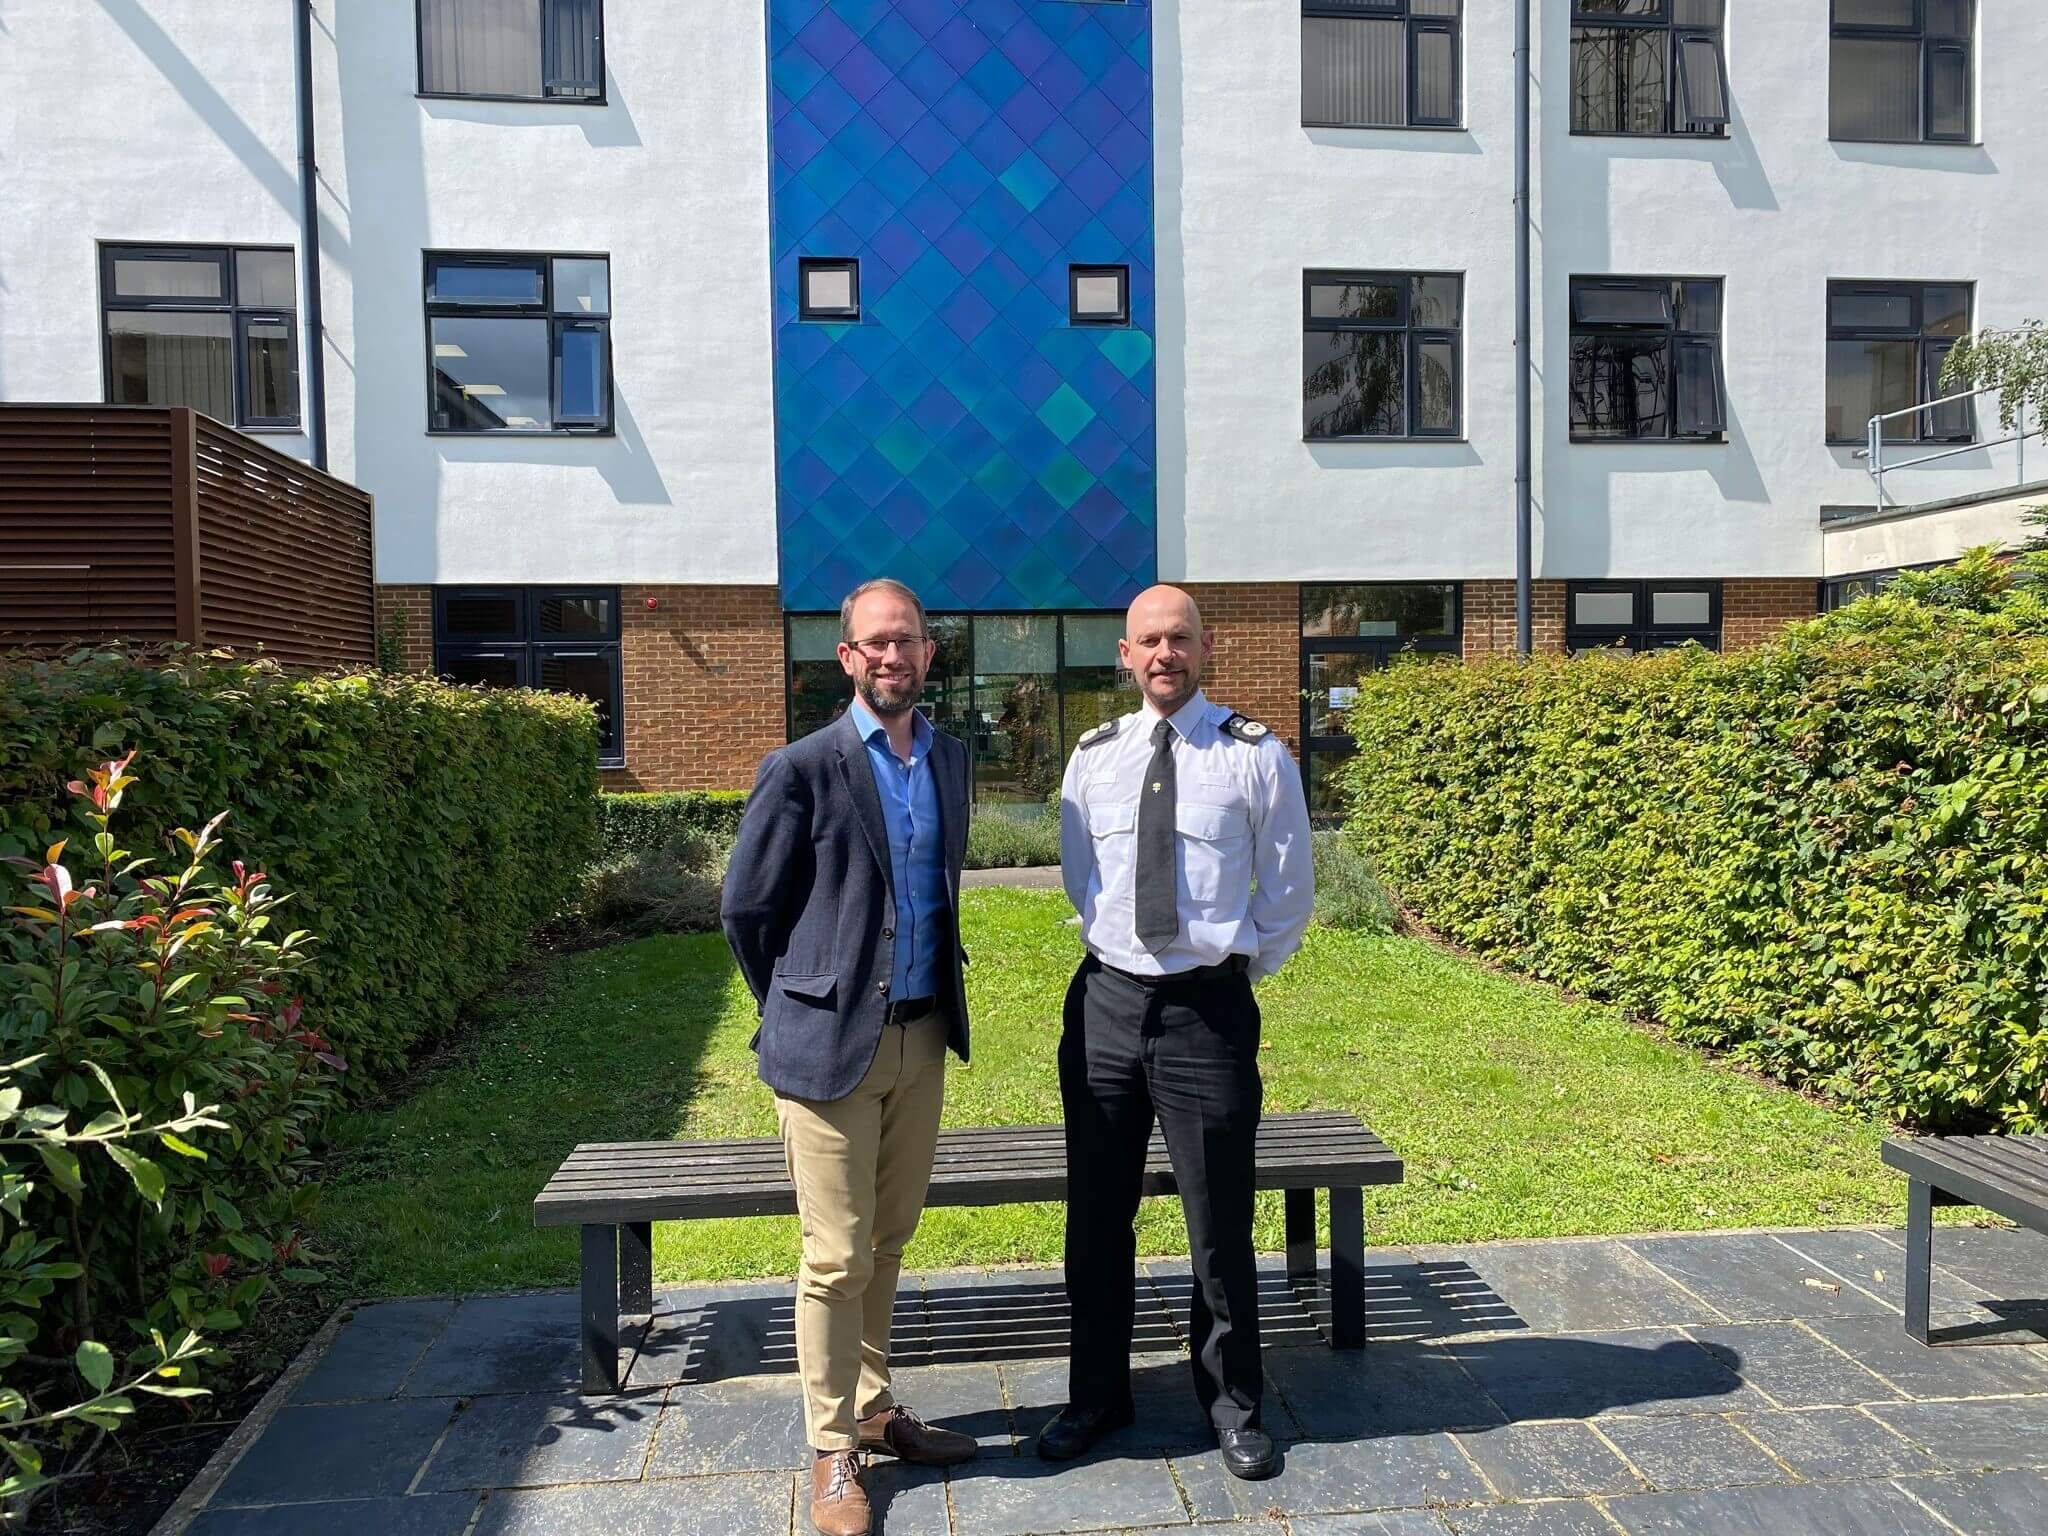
839 1502
898 1432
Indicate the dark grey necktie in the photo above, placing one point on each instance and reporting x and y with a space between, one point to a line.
1158 904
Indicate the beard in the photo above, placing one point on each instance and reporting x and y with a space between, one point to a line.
1182 685
886 697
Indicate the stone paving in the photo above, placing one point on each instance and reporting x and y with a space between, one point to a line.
1739 1382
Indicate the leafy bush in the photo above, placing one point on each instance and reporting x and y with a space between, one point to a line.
998 840
424 829
1348 890
138 995
1825 855
670 889
636 822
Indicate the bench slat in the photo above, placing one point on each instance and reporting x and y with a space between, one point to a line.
2005 1174
1291 1118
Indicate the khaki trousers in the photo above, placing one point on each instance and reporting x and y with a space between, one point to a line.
861 1166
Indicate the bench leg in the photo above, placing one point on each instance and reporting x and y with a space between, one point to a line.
1919 1255
1301 1234
636 1269
1347 1268
600 1309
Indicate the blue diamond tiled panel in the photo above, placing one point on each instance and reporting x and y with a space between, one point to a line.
963 436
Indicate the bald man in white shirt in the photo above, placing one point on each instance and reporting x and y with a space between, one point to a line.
1184 845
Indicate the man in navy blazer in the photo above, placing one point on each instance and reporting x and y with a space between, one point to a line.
842 907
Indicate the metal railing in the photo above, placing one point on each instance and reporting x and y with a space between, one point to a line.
1874 440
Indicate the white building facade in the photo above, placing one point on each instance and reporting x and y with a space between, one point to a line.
652 327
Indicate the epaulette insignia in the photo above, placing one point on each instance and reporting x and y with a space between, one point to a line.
1244 728
1095 736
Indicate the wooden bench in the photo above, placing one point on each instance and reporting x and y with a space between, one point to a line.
616 1191
2006 1174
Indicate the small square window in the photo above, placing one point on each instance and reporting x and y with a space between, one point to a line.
1099 295
828 289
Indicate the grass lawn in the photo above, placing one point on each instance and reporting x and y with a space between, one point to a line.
1519 1114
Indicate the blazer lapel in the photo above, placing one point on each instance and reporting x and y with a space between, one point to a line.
858 775
952 803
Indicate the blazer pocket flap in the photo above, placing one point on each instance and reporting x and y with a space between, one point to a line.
817 986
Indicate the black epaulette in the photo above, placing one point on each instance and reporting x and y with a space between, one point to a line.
1244 728
1096 735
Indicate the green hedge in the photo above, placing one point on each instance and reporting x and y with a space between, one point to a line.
423 830
1828 855
640 823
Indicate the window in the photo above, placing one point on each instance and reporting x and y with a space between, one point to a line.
1641 615
1099 295
212 327
1899 71
828 288
1887 345
1379 63
519 50
1380 355
563 639
1646 359
519 343
1649 67
1347 632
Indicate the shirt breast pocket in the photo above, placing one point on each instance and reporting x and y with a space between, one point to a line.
1214 842
1108 820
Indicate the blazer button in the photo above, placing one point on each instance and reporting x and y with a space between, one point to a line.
888 933
882 987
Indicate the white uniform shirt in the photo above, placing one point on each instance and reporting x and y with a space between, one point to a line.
1239 814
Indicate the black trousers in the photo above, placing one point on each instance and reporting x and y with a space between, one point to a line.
1187 1053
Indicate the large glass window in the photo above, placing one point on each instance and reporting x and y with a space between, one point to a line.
1346 633
521 50
519 343
1380 354
1649 67
212 327
1641 615
1887 346
1899 71
563 639
1380 63
1646 359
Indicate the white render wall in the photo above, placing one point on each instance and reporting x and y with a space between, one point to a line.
1248 198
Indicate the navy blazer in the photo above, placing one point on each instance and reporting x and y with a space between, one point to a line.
810 908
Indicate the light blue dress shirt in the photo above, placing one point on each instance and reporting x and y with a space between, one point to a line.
917 857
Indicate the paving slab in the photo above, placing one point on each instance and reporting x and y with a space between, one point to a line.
1576 1376
1288 1313
1320 1477
1697 1451
1752 1277
741 1504
1986 1503
443 1514
1999 1434
1393 1522
537 1439
1947 1370
2003 1262
744 1424
375 1351
1576 1285
1830 1444
1874 1261
714 1332
1019 1495
503 1344
1549 1461
1800 1509
907 1501
1387 1389
1169 1419
322 1452
968 1399
1792 1364
1571 1517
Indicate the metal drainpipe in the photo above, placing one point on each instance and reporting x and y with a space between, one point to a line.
1524 537
309 241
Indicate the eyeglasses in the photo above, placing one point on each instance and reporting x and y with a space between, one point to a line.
875 647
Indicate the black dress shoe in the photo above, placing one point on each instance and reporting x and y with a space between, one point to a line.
1248 1453
1074 1429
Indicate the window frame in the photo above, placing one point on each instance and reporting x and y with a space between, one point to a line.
529 648
560 424
1415 24
805 266
1642 635
1678 337
1914 291
1121 272
239 315
1414 339
1677 75
599 99
1931 44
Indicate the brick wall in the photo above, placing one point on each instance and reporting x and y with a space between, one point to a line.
706 693
1256 669
1490 617
406 615
1756 609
